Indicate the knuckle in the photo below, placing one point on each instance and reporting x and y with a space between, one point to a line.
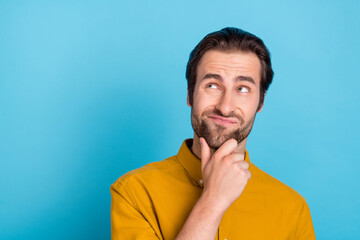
248 174
233 142
245 174
238 157
227 160
216 155
230 144
242 173
245 165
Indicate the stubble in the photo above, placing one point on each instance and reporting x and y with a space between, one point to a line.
215 134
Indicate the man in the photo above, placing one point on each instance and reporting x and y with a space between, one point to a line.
210 189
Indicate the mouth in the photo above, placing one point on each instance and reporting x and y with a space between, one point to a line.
223 120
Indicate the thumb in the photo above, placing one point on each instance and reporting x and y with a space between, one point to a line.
205 153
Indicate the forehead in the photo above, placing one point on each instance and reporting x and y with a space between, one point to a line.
229 64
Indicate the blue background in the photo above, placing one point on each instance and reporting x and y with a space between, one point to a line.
92 89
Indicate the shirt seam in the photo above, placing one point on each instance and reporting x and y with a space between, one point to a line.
300 222
133 203
132 199
187 172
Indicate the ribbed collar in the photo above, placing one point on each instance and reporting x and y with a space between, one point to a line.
192 164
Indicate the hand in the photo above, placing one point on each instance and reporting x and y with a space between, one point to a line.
225 173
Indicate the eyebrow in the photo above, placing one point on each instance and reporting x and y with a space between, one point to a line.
237 79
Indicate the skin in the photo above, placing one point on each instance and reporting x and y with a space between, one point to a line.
226 99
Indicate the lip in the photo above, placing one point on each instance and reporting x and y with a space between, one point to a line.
223 120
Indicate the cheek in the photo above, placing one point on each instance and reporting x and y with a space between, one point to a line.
250 105
203 101
199 108
255 106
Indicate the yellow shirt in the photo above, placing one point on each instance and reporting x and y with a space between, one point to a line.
154 201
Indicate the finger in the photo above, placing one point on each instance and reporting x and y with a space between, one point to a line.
248 173
227 148
243 164
205 153
236 157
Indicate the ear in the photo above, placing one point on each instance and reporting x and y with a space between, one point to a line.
187 99
261 105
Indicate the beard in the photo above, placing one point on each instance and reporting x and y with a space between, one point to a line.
218 134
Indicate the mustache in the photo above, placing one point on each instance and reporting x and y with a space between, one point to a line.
219 113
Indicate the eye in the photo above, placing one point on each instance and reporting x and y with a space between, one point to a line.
211 85
243 89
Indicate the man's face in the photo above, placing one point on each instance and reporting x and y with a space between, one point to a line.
226 96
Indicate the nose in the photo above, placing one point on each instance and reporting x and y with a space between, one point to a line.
226 103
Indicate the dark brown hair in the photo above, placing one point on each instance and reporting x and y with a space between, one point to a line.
231 39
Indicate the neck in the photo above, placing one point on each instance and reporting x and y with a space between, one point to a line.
196 148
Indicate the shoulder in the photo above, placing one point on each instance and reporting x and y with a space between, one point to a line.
278 190
151 172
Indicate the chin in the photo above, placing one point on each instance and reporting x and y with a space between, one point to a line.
216 142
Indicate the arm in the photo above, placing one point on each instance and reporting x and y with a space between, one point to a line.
305 229
126 221
225 176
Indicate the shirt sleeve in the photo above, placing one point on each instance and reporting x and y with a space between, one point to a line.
126 221
305 229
